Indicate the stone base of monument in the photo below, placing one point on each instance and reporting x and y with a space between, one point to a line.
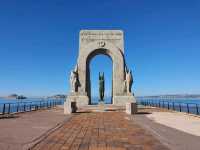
122 100
70 107
79 100
101 103
131 108
75 101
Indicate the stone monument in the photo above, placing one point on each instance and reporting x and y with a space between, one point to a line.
105 42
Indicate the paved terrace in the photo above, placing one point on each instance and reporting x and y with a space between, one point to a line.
150 129
100 131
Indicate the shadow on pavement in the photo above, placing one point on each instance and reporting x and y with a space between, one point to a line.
143 113
8 116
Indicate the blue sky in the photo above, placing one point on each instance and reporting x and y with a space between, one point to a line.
39 43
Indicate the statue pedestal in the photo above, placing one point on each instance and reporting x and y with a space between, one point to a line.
101 103
101 106
81 100
128 101
73 102
122 100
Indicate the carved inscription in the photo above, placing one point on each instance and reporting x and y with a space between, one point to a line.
101 38
88 36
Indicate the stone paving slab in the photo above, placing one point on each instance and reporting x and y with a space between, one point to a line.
100 131
24 129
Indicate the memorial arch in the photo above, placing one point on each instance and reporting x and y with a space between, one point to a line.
117 66
101 42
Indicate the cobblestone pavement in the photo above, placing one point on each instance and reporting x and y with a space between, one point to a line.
100 131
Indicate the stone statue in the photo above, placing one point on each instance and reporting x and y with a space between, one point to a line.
101 86
74 79
128 81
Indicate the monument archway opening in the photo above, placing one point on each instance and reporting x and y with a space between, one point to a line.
101 42
99 64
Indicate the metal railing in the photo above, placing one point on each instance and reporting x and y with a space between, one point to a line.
193 108
18 107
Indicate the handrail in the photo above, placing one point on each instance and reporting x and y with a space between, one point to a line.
171 105
17 107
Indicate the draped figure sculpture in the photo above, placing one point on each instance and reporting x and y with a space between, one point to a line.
128 81
74 80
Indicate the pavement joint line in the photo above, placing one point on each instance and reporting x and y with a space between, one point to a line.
37 140
166 143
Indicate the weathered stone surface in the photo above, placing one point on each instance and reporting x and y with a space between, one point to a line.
105 42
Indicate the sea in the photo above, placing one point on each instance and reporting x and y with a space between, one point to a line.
107 100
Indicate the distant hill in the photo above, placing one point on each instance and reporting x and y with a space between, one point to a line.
58 96
173 96
12 96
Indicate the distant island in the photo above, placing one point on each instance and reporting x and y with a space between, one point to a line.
21 97
172 96
58 96
15 96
